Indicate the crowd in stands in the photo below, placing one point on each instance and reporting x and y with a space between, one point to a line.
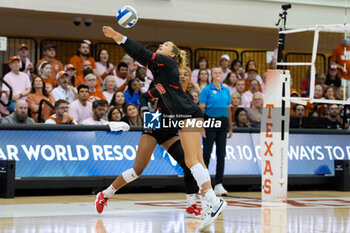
92 92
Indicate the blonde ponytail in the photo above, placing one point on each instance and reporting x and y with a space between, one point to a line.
180 56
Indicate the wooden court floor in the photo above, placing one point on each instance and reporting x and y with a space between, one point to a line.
305 211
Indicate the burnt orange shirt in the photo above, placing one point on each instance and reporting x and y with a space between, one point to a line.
97 95
77 62
49 84
56 66
46 110
246 85
80 79
339 57
310 107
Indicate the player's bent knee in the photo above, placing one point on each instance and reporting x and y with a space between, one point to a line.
129 175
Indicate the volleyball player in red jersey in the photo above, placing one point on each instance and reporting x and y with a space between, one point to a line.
165 65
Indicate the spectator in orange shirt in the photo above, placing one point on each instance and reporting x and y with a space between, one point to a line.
26 65
341 58
94 93
87 69
38 93
49 56
83 54
44 71
70 70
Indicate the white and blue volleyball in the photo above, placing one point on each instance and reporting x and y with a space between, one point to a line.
127 16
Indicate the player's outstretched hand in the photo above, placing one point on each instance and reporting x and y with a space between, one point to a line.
109 32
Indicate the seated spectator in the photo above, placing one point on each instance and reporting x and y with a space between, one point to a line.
321 79
132 94
69 68
240 86
94 93
339 93
4 99
225 63
121 75
202 80
44 71
298 120
251 66
103 66
255 112
20 114
247 97
236 102
83 54
87 69
61 115
114 114
195 95
18 81
230 82
98 110
109 87
241 119
202 64
37 94
26 65
49 56
318 94
333 119
252 74
131 65
329 93
236 67
64 91
141 75
132 117
81 109
333 79
118 100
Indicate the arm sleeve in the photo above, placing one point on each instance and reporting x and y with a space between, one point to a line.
143 55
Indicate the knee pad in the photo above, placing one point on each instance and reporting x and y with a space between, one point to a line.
176 151
200 174
130 175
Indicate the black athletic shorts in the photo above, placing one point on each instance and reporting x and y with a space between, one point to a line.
161 135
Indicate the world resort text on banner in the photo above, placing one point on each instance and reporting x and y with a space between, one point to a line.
102 153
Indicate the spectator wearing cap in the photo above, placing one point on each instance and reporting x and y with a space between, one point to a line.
26 65
69 68
81 109
201 64
103 66
18 81
94 93
37 94
64 91
225 63
61 115
99 109
247 97
251 65
333 79
19 116
83 54
49 54
45 73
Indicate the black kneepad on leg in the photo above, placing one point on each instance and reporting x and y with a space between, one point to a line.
176 151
